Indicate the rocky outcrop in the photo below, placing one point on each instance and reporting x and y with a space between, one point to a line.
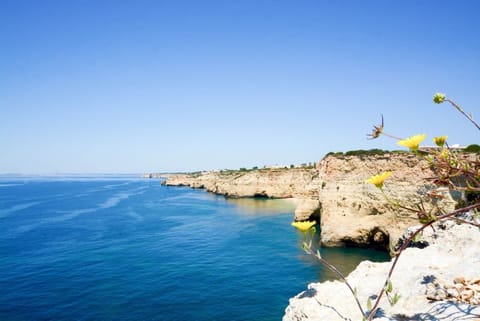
439 282
307 208
351 211
357 213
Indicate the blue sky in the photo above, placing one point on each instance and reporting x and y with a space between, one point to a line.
98 86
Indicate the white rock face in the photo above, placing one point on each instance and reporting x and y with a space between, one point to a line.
453 253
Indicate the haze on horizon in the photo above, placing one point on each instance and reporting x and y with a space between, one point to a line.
162 86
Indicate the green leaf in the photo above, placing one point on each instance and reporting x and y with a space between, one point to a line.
369 304
389 286
417 237
395 299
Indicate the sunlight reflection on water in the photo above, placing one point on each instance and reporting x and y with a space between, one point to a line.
255 206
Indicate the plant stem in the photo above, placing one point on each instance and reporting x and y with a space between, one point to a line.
391 136
463 113
396 204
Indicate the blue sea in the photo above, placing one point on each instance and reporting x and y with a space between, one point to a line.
123 248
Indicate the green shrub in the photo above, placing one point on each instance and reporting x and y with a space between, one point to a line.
473 148
362 152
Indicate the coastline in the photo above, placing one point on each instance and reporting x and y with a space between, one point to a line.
334 194
353 213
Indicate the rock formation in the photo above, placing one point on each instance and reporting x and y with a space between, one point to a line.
350 211
439 282
356 213
298 183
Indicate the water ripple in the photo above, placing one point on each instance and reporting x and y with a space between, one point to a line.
110 202
16 208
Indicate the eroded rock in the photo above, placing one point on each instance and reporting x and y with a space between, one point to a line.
421 279
352 209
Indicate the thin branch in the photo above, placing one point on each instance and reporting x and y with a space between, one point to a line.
461 220
470 118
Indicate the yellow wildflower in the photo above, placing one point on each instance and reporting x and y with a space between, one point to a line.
440 140
378 180
303 226
439 98
412 142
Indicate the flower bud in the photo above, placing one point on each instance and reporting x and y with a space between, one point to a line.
439 98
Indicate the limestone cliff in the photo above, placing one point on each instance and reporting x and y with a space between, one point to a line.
298 183
352 212
355 212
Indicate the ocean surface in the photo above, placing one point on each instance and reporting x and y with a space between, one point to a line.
122 248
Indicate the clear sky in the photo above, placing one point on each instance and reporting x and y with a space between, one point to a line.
92 86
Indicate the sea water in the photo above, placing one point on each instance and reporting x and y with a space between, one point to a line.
121 248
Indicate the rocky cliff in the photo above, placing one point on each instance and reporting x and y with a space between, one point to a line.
269 182
357 213
300 184
350 211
